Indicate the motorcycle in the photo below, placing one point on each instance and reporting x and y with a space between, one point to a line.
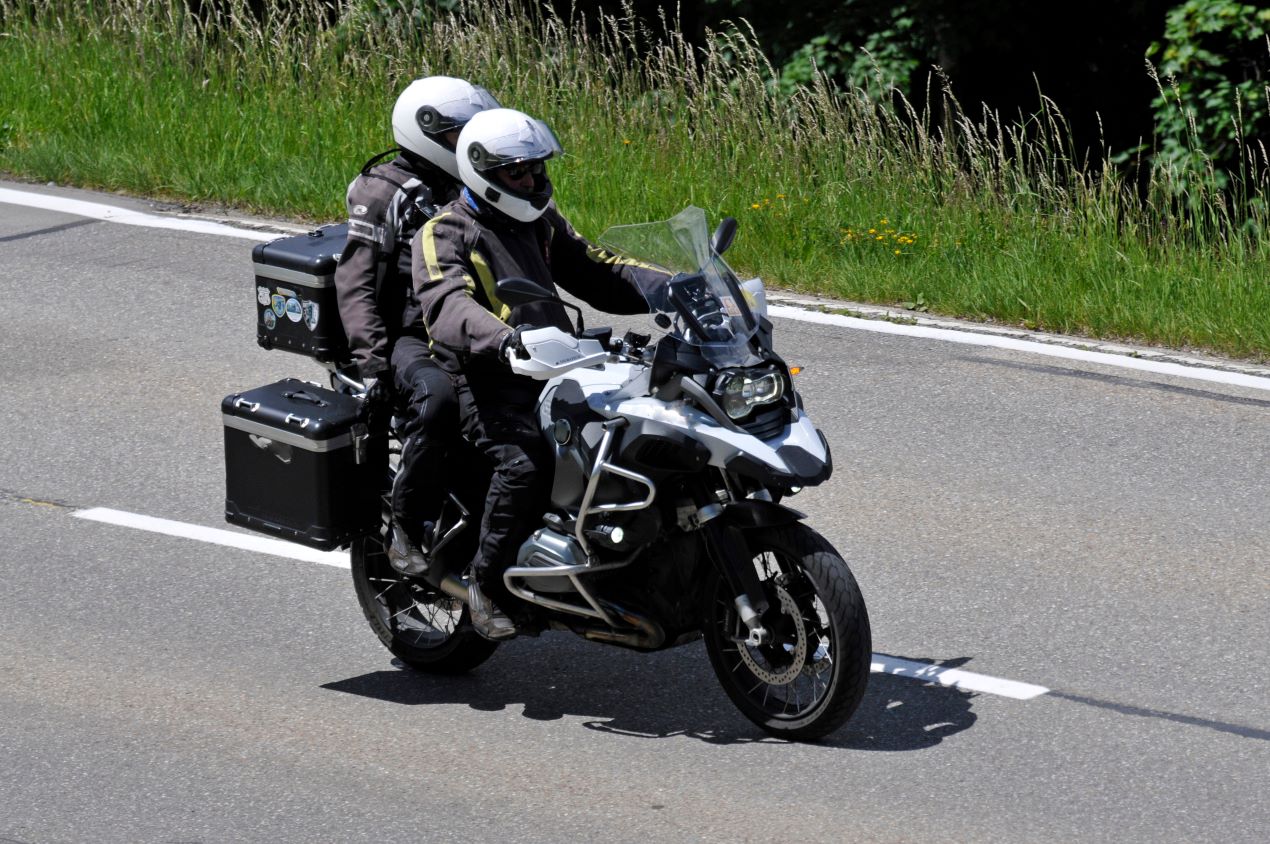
666 522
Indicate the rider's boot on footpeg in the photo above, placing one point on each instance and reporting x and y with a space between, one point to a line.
404 555
489 620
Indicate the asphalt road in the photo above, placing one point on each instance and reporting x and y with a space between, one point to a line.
1098 531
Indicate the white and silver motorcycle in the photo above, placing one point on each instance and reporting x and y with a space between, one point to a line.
665 522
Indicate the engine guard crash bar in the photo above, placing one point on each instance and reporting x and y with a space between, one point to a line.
596 609
602 466
587 508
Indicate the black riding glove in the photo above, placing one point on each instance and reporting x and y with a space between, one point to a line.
378 393
512 345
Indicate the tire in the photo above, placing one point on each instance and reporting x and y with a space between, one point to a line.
810 679
425 629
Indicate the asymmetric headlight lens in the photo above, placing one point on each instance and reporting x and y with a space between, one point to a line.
741 392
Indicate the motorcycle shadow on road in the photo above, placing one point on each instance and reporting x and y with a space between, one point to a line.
662 695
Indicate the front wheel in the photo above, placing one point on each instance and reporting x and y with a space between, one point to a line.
425 629
808 680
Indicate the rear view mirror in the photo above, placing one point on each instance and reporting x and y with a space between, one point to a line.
517 291
723 235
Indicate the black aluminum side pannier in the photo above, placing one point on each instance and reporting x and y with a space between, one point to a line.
301 465
296 308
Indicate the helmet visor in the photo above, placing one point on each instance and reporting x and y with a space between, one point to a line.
530 140
454 113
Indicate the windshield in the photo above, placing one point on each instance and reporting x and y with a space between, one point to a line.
706 304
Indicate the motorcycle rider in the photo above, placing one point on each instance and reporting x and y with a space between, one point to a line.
387 204
504 225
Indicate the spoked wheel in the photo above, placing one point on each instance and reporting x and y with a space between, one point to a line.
424 628
808 680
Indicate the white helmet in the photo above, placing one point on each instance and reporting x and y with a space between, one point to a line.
429 108
498 138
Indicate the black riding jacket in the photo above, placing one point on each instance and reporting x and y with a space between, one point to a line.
387 204
460 253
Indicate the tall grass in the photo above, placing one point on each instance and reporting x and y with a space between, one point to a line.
837 192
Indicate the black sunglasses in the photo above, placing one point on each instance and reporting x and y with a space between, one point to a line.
518 171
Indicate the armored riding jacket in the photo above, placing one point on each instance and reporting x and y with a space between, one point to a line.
387 204
460 253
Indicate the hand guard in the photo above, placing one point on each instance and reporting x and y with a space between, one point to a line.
543 353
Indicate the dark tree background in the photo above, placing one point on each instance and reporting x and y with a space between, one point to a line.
1088 56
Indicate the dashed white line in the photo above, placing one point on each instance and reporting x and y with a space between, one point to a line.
955 677
881 663
245 541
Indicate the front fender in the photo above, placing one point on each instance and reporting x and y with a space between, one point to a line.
752 513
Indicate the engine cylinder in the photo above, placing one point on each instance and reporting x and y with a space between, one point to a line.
549 549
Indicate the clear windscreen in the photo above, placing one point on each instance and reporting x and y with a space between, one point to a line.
706 304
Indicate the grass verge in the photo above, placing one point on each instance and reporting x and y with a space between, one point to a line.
837 193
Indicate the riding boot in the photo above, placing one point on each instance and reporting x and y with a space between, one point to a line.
488 619
405 556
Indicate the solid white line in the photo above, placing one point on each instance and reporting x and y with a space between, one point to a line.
955 677
114 214
1219 376
246 542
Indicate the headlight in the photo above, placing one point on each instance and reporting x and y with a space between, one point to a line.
741 392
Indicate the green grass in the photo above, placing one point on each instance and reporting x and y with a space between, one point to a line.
990 220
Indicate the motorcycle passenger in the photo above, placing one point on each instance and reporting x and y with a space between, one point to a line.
387 204
503 225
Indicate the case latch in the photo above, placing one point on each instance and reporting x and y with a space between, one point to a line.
361 435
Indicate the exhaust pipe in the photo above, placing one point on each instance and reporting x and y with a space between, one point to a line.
452 585
650 635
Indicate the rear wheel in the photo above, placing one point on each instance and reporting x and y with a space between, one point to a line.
424 628
808 680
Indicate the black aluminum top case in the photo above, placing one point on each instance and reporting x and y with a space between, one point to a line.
296 305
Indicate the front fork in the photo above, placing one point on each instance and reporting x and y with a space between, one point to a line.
731 554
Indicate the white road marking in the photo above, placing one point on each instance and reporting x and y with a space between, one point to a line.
110 213
955 677
1219 376
114 214
245 541
881 664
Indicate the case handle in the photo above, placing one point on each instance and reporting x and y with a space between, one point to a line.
301 395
